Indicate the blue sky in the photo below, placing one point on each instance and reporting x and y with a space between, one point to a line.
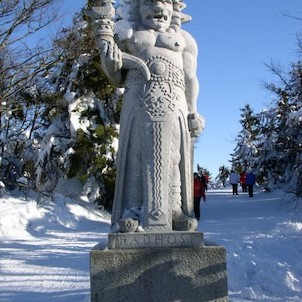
235 39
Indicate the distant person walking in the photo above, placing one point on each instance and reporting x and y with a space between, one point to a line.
250 181
199 191
243 181
234 181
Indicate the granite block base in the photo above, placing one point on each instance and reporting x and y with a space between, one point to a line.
186 274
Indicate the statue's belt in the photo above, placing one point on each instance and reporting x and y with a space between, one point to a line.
162 70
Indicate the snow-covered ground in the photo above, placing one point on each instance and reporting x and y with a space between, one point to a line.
263 238
44 249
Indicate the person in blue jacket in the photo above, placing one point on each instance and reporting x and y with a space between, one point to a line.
250 181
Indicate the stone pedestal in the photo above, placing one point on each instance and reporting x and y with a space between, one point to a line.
166 274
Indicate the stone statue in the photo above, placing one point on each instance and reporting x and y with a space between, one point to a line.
155 61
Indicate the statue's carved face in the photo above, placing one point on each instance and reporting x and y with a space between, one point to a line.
156 14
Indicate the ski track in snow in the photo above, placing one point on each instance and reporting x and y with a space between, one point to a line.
45 250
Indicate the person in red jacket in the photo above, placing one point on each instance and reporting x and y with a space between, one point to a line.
199 192
243 181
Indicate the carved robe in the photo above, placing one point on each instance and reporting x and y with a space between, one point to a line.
154 157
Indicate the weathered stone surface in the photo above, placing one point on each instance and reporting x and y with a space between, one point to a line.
156 61
159 275
150 240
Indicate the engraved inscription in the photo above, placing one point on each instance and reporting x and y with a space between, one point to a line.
148 240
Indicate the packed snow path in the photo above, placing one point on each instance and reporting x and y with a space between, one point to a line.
45 250
263 241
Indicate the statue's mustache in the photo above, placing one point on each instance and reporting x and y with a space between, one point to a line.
157 16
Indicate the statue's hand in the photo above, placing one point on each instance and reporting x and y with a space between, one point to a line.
111 57
196 124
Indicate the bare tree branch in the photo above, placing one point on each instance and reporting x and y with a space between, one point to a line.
22 18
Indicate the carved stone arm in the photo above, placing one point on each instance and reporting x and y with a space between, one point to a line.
196 124
112 58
